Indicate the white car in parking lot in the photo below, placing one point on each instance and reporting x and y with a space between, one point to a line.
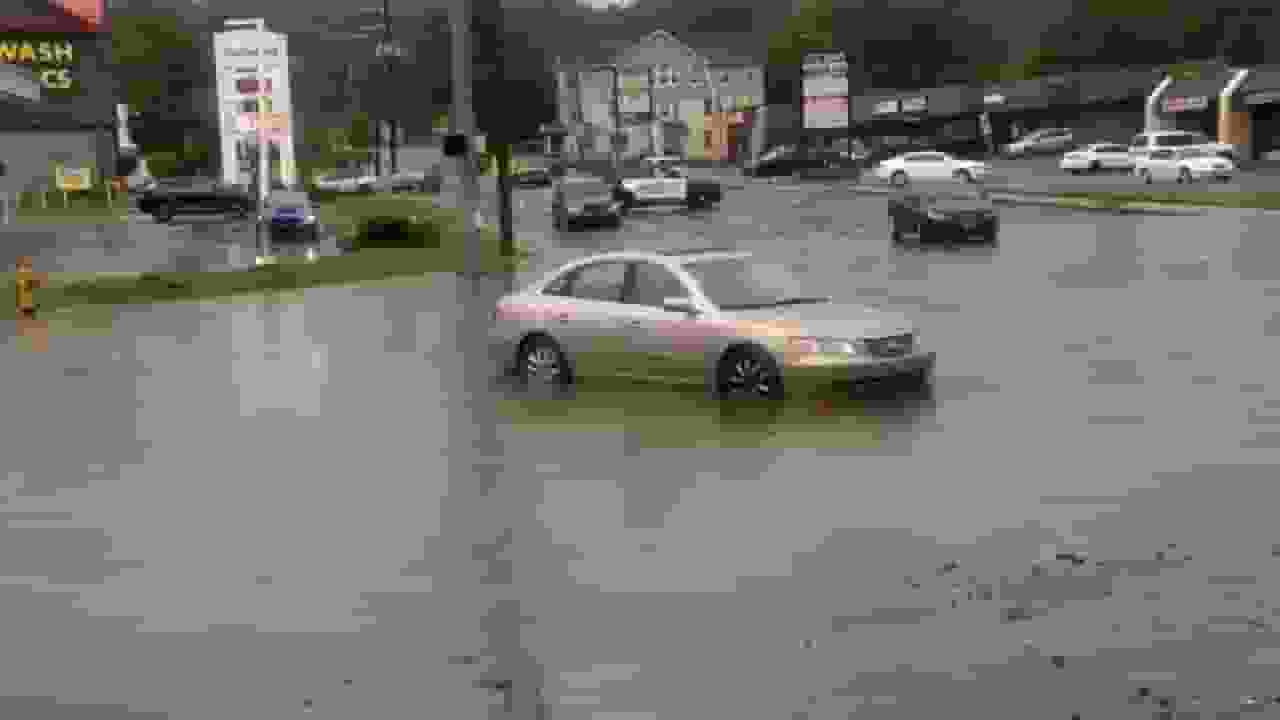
1097 157
1184 166
910 166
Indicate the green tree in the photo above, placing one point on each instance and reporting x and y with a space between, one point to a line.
360 130
162 71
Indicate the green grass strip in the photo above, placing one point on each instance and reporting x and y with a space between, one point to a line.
65 290
1267 200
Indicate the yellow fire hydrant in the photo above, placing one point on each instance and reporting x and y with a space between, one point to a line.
26 281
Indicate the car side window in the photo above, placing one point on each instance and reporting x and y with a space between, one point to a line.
652 283
601 281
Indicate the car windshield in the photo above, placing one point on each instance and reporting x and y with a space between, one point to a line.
580 188
287 199
742 284
776 152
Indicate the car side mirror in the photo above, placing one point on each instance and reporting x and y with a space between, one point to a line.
679 305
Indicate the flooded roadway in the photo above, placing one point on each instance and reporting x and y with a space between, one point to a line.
192 473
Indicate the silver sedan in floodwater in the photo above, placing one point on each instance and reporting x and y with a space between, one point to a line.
711 315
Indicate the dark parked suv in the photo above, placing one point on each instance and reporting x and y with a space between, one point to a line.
943 211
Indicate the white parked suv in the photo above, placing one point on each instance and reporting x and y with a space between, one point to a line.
1185 165
1143 144
910 166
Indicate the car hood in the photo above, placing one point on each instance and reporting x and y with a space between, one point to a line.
831 319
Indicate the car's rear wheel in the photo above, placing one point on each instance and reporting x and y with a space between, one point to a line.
1095 166
963 176
541 362
895 233
749 372
899 178
991 234
918 382
164 213
560 219
1145 175
1184 176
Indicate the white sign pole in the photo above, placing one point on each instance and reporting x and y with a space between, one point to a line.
264 160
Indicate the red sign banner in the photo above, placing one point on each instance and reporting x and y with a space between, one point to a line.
1184 104
71 16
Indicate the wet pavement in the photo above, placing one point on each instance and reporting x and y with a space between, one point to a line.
233 510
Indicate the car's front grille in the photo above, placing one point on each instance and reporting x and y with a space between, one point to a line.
891 346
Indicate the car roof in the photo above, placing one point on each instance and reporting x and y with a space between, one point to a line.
668 258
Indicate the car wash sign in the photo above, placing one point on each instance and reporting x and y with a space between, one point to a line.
54 59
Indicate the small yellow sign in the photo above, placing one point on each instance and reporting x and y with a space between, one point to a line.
75 178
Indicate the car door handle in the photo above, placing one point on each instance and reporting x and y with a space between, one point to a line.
633 323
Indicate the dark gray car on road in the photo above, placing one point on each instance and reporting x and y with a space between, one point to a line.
943 211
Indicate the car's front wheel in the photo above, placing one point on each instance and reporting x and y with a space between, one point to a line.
541 362
1184 176
899 178
749 372
963 176
164 213
1145 175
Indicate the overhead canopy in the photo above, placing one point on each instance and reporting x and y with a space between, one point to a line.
1194 94
1261 87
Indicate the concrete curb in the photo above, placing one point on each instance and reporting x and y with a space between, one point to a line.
1011 196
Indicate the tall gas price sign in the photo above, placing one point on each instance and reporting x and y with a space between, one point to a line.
254 103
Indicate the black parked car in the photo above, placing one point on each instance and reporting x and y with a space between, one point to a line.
788 160
195 196
943 211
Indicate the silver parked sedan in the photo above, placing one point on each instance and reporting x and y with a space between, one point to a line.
714 315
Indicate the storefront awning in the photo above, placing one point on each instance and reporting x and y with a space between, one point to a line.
915 105
1261 87
1194 94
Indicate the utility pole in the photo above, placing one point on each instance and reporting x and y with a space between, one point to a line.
463 122
614 137
392 125
653 116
